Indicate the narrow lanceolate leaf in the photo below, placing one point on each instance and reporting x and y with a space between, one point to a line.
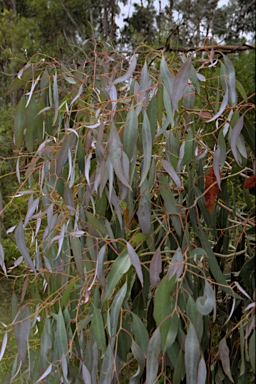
107 367
140 333
206 303
98 329
86 375
119 268
177 264
115 154
45 374
62 156
129 73
69 200
21 244
137 353
130 133
167 76
192 355
19 122
115 310
2 263
100 266
32 206
202 372
234 137
62 337
170 170
135 261
77 253
153 352
143 213
162 307
55 97
180 82
155 268
231 80
147 147
224 357
222 107
4 343
22 329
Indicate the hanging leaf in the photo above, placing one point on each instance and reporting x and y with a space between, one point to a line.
100 266
115 311
212 193
153 352
166 75
19 122
98 329
231 80
234 138
130 133
250 182
135 261
222 107
115 154
155 268
22 327
192 355
107 367
202 372
137 353
86 375
143 214
177 265
2 263
147 148
140 333
180 82
119 268
129 73
21 244
206 303
62 156
170 170
224 357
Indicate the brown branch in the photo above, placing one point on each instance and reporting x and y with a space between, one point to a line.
221 48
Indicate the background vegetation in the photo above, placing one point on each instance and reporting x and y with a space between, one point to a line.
127 195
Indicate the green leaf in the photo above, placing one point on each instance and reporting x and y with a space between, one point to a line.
153 352
22 327
147 147
162 307
135 261
98 329
166 75
180 82
241 90
61 340
107 367
137 353
96 224
21 244
252 356
140 333
115 310
19 122
231 80
249 133
55 97
192 355
77 253
130 133
119 268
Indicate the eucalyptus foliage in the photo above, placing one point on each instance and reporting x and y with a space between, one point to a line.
132 278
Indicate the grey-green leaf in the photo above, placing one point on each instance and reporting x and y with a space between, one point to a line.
224 357
192 355
206 303
22 327
153 352
147 147
21 244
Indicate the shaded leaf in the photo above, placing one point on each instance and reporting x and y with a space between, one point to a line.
140 332
155 268
19 122
98 329
77 253
252 355
22 327
107 367
177 265
180 82
100 266
153 352
21 244
130 133
202 372
119 268
147 147
250 182
166 75
224 357
170 170
143 214
192 355
234 138
115 310
137 353
135 262
231 80
45 374
222 107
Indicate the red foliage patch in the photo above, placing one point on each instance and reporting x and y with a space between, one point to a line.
212 193
251 182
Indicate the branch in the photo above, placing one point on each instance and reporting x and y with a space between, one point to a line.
221 48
